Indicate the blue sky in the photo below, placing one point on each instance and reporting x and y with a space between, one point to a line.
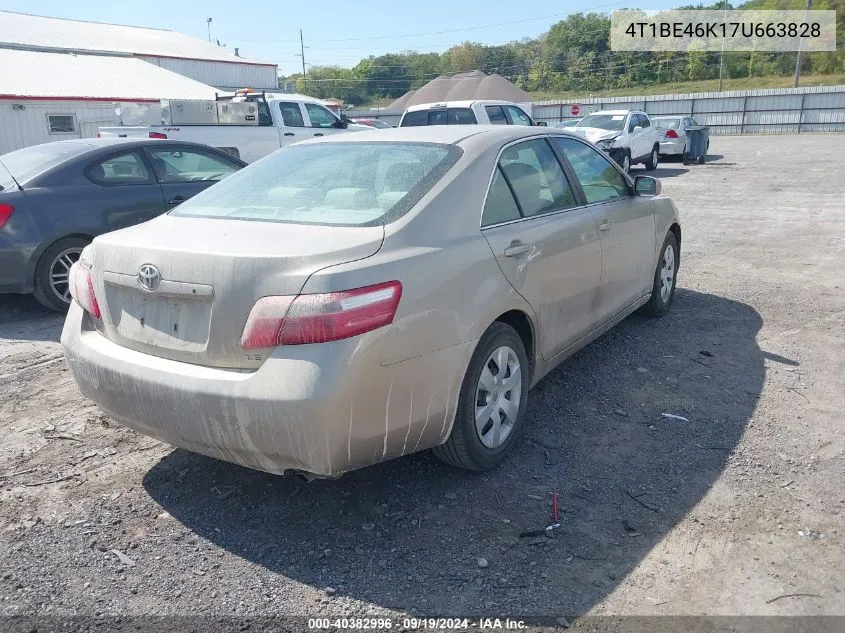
335 32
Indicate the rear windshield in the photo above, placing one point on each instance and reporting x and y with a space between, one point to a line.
440 116
24 164
328 184
667 124
613 122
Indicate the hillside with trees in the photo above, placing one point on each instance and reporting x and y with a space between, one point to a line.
573 56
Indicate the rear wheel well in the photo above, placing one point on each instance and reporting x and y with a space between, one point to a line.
676 229
520 322
33 266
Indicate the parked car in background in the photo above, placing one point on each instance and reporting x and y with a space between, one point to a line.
467 113
55 198
376 123
565 124
277 120
674 130
626 135
353 299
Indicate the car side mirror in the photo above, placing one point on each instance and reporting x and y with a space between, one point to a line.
638 127
647 186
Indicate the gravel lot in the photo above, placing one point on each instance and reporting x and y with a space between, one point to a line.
730 511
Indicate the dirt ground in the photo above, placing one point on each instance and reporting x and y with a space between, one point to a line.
736 507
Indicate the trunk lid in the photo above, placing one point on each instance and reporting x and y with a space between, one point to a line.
207 275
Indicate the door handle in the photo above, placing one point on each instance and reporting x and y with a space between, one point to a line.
318 133
605 225
517 249
289 134
177 200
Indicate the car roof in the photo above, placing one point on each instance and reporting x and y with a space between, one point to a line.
442 134
457 104
91 145
616 112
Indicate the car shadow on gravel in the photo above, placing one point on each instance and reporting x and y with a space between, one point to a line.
409 534
23 318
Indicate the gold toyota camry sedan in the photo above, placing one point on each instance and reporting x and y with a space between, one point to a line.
352 299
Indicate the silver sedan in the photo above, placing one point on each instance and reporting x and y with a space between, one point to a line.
674 134
357 298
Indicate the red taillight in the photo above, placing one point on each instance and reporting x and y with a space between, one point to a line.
320 318
671 134
82 289
157 135
6 211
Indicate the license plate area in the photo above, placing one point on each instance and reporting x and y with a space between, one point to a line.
159 321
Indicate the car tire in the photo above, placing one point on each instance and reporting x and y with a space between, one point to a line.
51 273
474 445
653 160
665 278
626 162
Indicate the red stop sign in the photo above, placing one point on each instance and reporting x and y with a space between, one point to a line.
574 110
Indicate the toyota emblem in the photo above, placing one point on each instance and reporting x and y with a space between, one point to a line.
149 277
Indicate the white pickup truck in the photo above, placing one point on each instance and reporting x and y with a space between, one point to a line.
626 135
249 125
474 112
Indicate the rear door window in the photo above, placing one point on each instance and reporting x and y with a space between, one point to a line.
121 169
291 115
517 116
536 177
496 115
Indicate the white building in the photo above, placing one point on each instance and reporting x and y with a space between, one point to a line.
62 78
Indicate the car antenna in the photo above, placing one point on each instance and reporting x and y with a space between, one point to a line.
15 180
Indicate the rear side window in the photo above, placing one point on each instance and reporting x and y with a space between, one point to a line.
500 205
496 115
536 178
291 115
330 184
517 116
599 179
121 169
190 166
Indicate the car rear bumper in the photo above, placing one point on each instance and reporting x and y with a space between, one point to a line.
323 409
674 146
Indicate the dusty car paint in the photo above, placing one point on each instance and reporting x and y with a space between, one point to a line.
331 407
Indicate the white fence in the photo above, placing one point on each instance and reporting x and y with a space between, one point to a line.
776 111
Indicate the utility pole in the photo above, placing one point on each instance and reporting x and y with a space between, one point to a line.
722 56
800 57
208 24
302 55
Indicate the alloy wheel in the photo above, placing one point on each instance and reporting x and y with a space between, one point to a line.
60 272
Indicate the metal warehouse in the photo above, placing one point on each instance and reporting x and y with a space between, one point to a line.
63 78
